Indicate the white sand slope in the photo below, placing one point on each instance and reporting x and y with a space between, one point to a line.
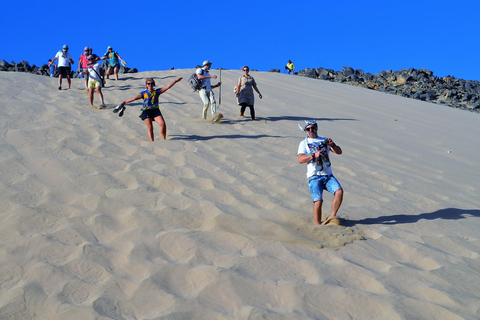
216 221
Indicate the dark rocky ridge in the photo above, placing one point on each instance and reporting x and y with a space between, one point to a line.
44 70
412 83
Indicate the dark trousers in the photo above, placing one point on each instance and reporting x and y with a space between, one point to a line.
252 110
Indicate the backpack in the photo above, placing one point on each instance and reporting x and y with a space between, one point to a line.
194 82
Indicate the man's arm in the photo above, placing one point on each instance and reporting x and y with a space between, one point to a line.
201 76
304 158
333 147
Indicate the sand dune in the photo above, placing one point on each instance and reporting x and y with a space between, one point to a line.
216 221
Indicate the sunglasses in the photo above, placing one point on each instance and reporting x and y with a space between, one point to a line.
150 83
246 70
311 128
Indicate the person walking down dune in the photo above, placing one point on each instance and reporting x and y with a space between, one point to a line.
244 92
206 92
64 66
95 79
151 110
314 151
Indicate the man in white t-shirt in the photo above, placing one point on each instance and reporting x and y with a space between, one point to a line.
314 151
64 65
95 79
206 92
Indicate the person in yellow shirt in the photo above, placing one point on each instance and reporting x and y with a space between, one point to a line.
290 67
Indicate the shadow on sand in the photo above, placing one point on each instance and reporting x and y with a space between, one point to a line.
447 214
227 136
295 118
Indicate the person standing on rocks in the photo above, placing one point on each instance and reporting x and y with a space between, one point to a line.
244 92
290 67
206 92
64 69
314 151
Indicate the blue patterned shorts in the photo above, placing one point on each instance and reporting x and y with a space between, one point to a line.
319 183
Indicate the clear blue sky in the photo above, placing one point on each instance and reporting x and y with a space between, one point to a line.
441 36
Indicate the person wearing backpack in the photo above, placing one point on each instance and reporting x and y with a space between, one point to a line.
206 92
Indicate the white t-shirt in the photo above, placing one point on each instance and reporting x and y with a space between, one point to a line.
92 75
320 166
63 58
206 82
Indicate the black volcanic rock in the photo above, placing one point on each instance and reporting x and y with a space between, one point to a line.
412 83
44 70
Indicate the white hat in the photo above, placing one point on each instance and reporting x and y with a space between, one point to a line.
206 62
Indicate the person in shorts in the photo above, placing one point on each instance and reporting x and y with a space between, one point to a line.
315 151
150 110
64 66
113 60
95 79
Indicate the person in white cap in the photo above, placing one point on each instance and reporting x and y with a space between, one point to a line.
314 151
206 92
64 69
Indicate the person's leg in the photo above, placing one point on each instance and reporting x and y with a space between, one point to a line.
149 123
317 211
337 202
334 187
252 112
86 80
100 94
60 81
316 185
108 72
90 94
243 106
213 103
115 71
203 95
69 81
163 126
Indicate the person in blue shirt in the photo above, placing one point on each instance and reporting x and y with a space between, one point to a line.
150 110
53 68
113 62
